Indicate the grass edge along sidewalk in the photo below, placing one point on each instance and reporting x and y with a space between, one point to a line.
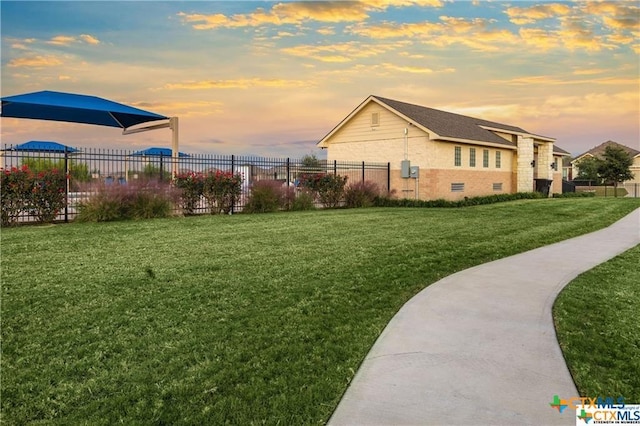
240 319
596 319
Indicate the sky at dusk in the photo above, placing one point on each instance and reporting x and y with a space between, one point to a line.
272 78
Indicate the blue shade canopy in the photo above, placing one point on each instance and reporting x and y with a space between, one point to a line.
157 152
73 108
42 146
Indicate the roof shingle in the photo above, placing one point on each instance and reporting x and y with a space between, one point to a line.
447 124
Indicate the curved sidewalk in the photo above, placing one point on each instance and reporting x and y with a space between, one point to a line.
479 347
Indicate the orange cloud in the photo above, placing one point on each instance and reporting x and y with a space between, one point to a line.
615 14
394 30
414 69
35 62
552 80
241 83
298 12
62 40
575 34
341 52
183 108
89 39
326 31
528 15
474 33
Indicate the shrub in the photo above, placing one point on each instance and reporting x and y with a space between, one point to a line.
48 194
266 196
131 201
361 194
222 189
466 202
15 193
330 188
574 195
303 200
191 186
23 190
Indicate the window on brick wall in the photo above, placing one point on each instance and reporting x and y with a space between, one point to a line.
457 187
457 156
497 186
498 159
472 157
485 158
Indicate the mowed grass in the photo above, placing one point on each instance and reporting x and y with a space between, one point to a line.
598 326
244 319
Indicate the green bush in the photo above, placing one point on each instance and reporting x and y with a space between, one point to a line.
132 201
22 190
466 202
15 193
328 187
266 196
361 194
191 186
303 200
48 195
222 190
574 195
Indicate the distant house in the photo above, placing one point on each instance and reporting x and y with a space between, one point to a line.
598 151
437 154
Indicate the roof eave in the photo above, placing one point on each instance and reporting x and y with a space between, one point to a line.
476 142
323 142
523 134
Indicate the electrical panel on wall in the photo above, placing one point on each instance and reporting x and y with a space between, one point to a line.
405 167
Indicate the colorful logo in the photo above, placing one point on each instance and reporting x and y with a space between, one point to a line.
558 404
586 417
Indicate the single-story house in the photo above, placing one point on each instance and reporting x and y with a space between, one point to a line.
598 151
437 154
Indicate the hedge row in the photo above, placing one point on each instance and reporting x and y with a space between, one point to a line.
575 195
466 202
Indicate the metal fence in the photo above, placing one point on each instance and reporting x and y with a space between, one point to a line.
89 169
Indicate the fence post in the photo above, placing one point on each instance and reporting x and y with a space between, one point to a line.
288 172
66 187
233 167
335 167
388 178
363 172
161 166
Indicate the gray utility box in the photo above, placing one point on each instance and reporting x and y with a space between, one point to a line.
405 167
414 171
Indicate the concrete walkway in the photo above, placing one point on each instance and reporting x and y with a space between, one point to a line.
479 347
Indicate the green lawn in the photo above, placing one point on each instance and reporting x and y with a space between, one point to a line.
244 319
597 324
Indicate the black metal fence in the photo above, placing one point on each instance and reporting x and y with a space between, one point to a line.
89 169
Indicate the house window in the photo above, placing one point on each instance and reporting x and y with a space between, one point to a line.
457 157
375 119
498 159
497 186
472 157
457 187
485 158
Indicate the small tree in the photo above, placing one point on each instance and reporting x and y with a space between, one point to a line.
588 169
615 166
